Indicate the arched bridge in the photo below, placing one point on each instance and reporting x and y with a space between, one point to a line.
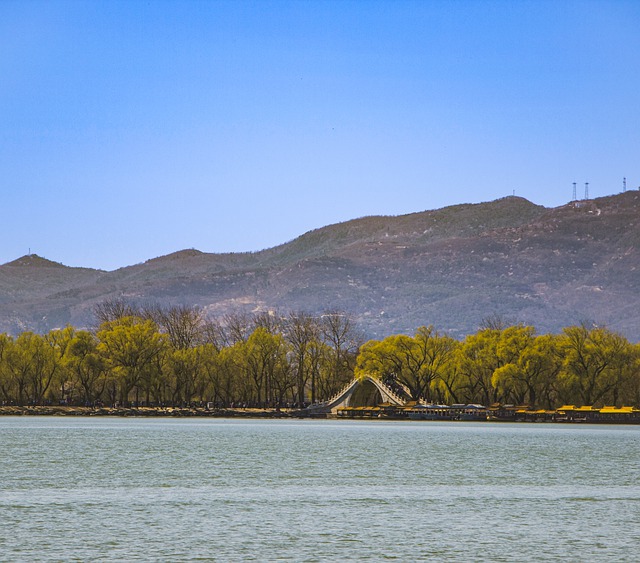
364 391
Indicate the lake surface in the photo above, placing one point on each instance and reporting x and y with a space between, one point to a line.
269 490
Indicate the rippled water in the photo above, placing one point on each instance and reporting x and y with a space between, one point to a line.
221 490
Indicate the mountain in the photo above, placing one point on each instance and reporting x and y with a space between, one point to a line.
452 267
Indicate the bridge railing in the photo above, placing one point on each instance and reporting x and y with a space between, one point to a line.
391 393
338 395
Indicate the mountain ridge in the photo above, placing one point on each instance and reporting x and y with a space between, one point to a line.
450 267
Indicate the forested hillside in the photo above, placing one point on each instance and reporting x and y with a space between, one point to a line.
451 268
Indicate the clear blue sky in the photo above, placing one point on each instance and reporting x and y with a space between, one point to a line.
133 129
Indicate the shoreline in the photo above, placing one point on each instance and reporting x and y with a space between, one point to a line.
257 413
148 412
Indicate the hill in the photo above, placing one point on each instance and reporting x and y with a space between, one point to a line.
451 268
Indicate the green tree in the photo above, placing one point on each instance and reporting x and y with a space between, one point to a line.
86 365
514 378
630 386
592 360
218 374
624 372
490 365
477 359
415 363
130 345
531 377
6 383
228 375
185 367
449 385
31 364
59 340
263 354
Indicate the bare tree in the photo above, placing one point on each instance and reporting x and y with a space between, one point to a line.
496 321
113 310
340 334
213 333
270 321
182 324
237 327
301 330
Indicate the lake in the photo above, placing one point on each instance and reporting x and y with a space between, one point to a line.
121 489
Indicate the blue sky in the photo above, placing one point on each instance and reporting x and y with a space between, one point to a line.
130 130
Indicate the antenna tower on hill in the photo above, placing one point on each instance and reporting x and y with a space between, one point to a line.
586 190
575 194
624 184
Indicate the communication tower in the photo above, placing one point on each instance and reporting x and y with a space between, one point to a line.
575 194
586 190
624 184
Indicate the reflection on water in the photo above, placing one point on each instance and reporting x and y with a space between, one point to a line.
221 490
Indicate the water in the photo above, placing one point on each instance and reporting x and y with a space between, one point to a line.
220 490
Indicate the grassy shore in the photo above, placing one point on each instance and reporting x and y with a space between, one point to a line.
142 412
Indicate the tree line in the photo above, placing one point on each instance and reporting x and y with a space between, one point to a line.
149 355
583 365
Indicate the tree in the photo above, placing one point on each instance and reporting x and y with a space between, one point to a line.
227 376
630 387
339 334
271 322
5 378
31 364
435 352
529 376
113 310
59 340
264 354
281 375
86 365
130 345
384 360
237 328
185 366
592 360
449 386
217 386
182 324
301 331
477 360
213 333
482 359
319 360
511 379
414 363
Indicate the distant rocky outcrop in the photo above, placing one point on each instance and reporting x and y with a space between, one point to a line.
451 267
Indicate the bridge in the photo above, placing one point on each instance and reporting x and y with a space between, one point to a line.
365 391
